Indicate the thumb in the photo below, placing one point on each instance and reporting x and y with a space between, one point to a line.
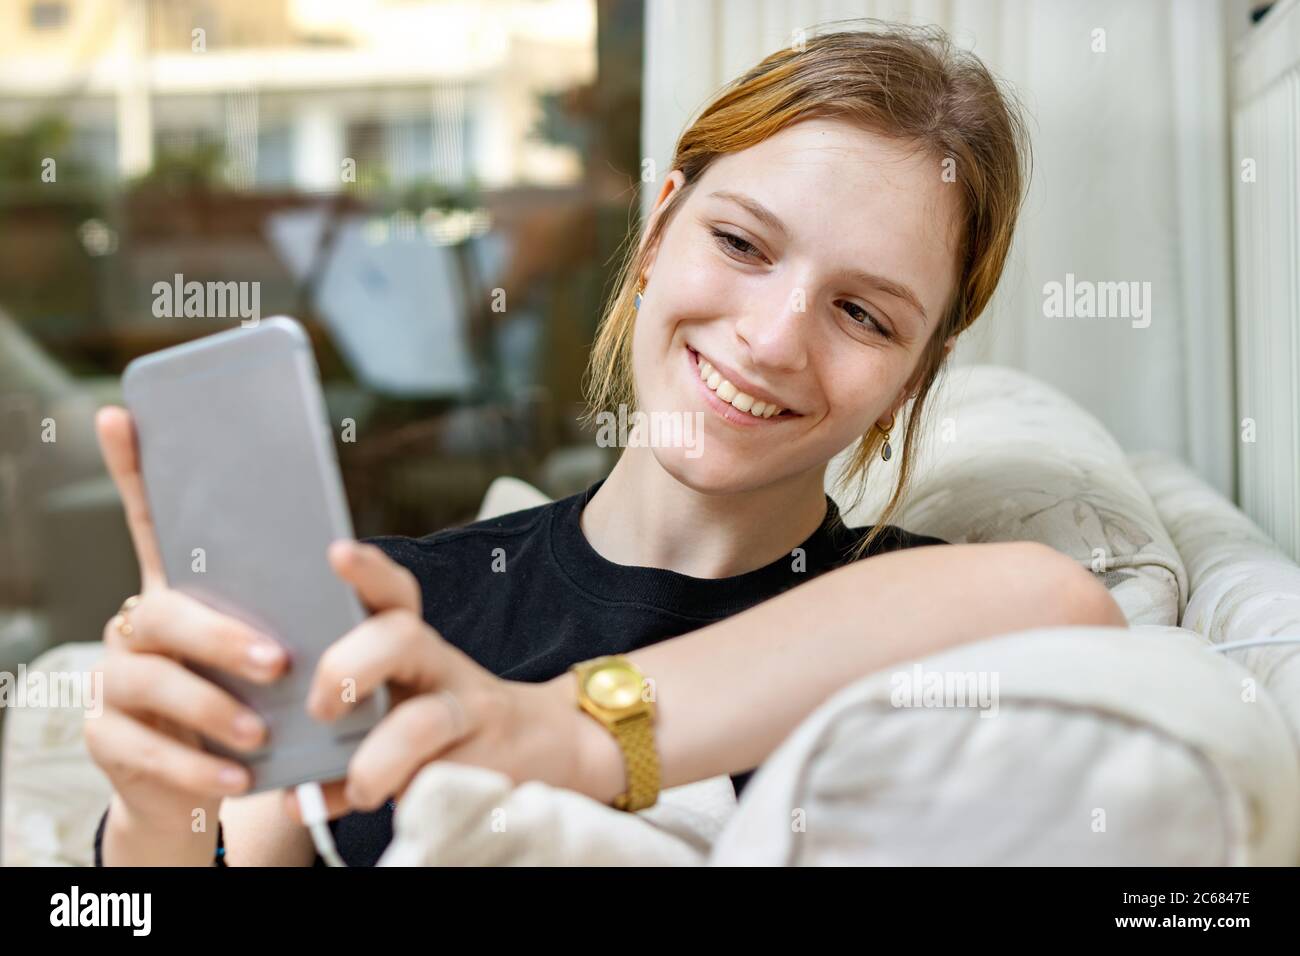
380 582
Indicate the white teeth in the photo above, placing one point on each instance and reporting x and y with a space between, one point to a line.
739 400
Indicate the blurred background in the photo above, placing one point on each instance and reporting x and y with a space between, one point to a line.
436 189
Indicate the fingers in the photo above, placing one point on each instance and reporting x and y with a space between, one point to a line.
169 622
394 646
130 753
380 582
117 444
410 736
159 686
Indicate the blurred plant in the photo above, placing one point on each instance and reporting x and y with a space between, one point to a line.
429 194
369 179
24 152
416 197
195 168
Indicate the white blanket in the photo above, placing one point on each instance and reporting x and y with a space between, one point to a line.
457 815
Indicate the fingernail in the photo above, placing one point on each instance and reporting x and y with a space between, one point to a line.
264 655
233 778
248 726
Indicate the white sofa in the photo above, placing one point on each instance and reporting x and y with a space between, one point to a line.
1102 746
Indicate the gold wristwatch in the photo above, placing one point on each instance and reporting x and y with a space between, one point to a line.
611 689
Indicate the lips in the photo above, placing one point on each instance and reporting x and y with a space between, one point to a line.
727 389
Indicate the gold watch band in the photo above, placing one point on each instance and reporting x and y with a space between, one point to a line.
635 737
611 692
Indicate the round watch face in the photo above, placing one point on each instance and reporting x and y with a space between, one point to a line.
614 686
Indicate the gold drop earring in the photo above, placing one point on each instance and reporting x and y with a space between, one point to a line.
886 452
640 287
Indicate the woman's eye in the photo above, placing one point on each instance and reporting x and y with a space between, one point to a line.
860 315
735 245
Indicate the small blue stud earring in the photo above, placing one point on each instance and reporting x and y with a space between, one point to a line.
636 302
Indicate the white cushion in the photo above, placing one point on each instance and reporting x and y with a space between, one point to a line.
1009 458
1243 587
1107 747
54 793
506 495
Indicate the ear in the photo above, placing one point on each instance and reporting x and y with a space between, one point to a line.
909 391
672 184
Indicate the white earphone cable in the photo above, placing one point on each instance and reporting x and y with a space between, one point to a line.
312 804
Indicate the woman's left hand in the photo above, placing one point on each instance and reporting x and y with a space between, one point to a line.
444 706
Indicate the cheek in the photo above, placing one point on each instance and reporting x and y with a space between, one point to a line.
690 286
695 282
859 391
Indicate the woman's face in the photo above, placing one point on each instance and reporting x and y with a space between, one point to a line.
808 271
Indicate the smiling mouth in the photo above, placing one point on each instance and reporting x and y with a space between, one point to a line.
741 401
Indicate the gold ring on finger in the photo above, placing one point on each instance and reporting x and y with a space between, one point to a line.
124 626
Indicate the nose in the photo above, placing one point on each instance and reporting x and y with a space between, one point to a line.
774 329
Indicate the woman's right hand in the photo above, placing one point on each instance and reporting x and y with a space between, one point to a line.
147 738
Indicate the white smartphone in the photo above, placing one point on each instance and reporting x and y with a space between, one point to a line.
242 479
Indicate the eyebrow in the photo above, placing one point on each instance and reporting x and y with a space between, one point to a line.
771 220
755 209
890 287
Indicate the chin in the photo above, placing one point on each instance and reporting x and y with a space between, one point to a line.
714 472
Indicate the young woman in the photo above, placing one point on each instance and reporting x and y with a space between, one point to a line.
832 222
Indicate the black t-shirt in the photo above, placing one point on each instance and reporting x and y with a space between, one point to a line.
526 596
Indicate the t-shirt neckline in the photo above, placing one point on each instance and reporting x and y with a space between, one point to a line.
671 591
